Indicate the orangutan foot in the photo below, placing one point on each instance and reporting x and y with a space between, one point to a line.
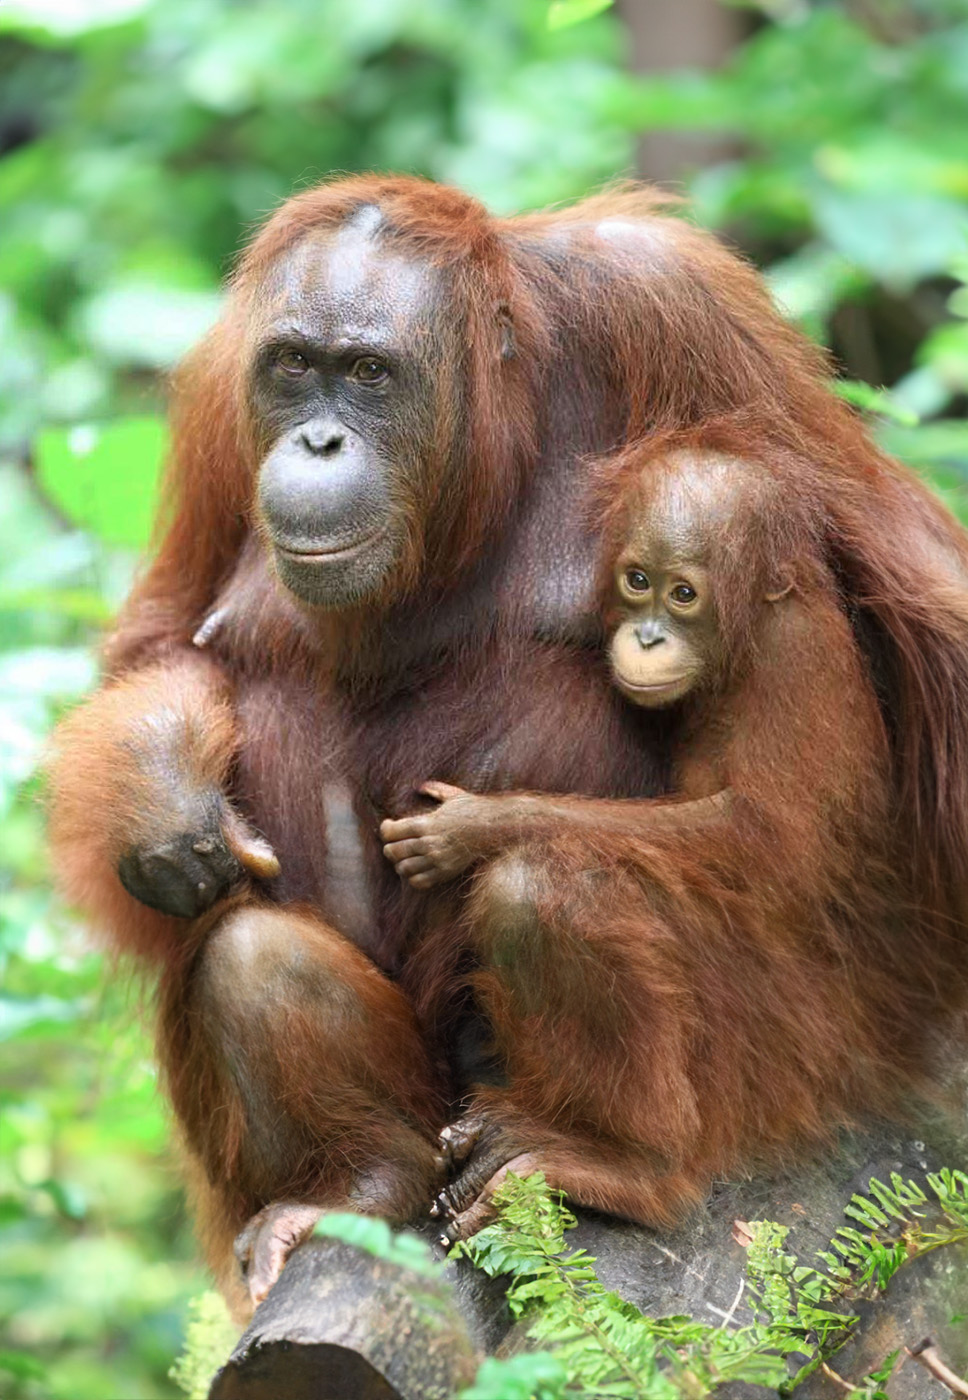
466 1212
268 1240
483 1150
457 1141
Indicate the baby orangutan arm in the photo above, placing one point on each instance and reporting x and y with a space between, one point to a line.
429 848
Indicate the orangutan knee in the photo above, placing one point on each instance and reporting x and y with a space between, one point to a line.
507 893
259 961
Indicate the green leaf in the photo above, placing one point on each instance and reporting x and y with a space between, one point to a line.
21 1014
873 400
946 351
564 13
531 1376
405 1249
809 286
897 240
24 1367
209 1338
943 441
82 604
64 20
140 323
105 478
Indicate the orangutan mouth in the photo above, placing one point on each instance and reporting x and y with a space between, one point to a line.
326 556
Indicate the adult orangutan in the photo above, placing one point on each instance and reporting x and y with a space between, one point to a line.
620 946
381 453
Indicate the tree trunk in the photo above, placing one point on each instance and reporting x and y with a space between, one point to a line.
668 36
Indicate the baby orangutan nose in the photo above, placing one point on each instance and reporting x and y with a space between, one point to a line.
650 634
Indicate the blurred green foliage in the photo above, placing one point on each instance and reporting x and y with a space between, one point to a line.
849 185
139 140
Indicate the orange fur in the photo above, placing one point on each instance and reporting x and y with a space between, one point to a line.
749 1010
118 766
334 1053
681 989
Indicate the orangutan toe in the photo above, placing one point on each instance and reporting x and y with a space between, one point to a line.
267 1241
481 1210
493 1148
458 1140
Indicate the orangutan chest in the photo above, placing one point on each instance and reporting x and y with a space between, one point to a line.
549 720
546 721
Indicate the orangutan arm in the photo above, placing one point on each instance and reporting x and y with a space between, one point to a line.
142 833
431 847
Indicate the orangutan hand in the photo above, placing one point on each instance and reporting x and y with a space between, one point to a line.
431 847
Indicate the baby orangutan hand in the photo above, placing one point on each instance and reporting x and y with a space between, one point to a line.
431 847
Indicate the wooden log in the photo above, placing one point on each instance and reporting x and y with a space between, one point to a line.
343 1325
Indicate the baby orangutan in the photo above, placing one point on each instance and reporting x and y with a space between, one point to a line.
666 648
683 987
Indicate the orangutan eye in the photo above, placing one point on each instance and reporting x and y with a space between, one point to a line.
368 370
636 581
291 362
683 594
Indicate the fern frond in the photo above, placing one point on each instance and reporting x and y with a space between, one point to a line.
605 1347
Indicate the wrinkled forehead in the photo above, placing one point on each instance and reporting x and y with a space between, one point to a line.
681 505
351 283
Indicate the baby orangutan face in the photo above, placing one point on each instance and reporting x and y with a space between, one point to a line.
667 640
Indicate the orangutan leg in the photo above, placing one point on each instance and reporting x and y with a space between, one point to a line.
300 1080
591 1014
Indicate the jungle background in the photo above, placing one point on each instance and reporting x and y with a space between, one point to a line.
139 141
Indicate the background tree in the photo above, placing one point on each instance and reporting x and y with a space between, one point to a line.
138 140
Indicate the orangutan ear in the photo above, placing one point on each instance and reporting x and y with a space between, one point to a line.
782 585
506 323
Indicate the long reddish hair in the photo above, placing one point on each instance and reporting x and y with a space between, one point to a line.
679 336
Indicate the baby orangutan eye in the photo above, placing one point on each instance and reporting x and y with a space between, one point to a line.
369 370
636 581
291 362
683 594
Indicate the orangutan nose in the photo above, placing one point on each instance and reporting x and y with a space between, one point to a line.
320 489
322 443
650 634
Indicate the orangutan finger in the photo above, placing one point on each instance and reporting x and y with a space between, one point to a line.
400 850
426 880
442 792
403 829
414 865
252 851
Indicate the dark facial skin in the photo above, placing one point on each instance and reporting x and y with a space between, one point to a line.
344 382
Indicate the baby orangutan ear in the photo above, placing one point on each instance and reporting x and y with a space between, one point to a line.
504 320
780 587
